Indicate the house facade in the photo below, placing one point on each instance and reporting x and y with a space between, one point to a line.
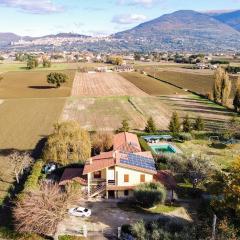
116 173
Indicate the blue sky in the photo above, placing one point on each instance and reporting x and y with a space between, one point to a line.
92 17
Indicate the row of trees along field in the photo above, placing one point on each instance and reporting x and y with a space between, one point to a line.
33 62
222 89
175 125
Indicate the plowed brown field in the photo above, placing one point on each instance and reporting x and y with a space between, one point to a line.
103 84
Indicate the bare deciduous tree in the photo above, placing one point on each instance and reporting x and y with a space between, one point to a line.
102 141
20 162
222 86
40 211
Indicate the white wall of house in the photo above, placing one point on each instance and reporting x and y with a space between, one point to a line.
134 177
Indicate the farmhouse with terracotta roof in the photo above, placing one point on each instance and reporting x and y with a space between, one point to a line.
116 173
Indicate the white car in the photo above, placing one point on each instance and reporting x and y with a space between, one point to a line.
80 212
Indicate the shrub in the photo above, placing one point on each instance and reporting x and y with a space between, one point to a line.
68 237
185 136
200 135
150 194
144 144
138 230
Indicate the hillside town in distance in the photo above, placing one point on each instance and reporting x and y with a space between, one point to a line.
120 120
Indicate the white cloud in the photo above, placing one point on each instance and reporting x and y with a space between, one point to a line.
144 3
33 6
128 18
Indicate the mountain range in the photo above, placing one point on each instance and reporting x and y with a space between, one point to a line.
184 30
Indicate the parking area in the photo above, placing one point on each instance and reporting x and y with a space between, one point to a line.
106 218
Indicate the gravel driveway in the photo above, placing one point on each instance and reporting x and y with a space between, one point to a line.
107 217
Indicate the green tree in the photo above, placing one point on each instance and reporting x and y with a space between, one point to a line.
186 124
199 124
150 194
32 63
68 144
1 58
232 188
46 63
151 126
57 78
174 125
125 126
236 100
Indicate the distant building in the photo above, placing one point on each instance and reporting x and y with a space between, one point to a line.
124 68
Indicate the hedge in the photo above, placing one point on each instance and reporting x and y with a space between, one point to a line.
33 178
150 194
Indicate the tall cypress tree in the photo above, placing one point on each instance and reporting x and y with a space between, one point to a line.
186 124
151 126
236 100
174 125
199 124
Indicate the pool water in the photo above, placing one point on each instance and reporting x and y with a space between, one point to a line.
164 148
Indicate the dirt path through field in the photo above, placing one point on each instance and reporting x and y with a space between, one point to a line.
103 84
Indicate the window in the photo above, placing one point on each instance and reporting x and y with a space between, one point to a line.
97 174
126 192
126 178
142 178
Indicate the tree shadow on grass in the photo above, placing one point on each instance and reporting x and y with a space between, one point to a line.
41 87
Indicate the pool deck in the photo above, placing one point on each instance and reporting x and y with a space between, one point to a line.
165 143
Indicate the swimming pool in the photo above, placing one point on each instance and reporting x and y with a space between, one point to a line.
163 148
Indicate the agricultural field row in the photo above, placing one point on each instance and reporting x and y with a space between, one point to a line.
23 123
103 84
21 67
33 84
152 86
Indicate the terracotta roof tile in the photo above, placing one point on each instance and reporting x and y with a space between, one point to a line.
97 165
126 142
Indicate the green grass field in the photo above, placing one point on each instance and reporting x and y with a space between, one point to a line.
23 123
33 84
221 157
9 67
102 113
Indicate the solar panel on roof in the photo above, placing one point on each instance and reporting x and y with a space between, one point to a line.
138 161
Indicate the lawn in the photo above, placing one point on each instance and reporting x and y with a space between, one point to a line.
23 123
33 84
16 66
159 208
151 85
220 157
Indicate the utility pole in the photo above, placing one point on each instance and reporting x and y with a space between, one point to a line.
214 227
